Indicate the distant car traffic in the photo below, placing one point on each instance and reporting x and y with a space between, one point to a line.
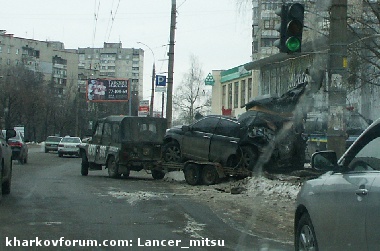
19 147
69 146
340 209
51 143
6 163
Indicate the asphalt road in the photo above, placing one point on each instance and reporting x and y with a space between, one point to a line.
51 203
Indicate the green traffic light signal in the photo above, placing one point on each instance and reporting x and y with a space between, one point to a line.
293 44
294 28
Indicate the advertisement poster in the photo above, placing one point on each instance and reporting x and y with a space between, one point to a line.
107 90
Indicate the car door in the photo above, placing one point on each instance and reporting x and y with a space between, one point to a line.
224 142
93 148
369 160
196 141
341 217
104 144
353 200
5 153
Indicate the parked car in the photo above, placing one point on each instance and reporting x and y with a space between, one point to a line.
266 135
19 147
69 146
51 143
6 160
340 209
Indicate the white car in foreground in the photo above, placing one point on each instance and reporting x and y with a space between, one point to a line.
69 146
340 210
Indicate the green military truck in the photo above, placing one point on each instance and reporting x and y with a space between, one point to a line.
123 144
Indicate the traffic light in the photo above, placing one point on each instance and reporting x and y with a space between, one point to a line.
290 27
281 28
294 27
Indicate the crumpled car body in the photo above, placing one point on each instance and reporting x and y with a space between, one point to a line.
266 135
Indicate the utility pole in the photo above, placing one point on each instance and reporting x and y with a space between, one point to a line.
152 94
169 99
336 130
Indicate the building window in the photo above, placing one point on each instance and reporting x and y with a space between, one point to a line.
224 93
249 89
17 51
236 94
9 50
1 50
242 93
229 96
8 61
269 24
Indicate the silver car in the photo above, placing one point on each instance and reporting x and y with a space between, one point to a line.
340 210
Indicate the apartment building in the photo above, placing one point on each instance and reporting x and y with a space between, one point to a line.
59 66
112 61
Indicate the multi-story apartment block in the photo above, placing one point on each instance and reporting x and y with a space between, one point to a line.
59 66
113 61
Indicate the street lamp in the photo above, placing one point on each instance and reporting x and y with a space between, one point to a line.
153 77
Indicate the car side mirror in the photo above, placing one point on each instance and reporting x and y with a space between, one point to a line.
10 133
324 161
186 128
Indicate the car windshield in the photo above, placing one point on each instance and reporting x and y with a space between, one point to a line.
70 140
53 139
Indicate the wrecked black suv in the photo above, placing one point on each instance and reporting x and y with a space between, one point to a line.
123 144
267 135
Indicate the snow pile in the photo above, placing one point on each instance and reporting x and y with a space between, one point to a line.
267 187
135 197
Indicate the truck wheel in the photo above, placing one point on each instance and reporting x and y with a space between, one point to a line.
112 167
209 175
172 152
158 175
249 158
84 165
192 174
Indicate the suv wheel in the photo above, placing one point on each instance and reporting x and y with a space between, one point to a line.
112 166
249 158
172 152
6 186
305 236
84 165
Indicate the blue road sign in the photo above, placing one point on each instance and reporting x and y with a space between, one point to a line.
160 80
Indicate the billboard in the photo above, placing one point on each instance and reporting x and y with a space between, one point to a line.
107 90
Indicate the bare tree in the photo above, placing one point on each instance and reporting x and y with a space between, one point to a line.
191 97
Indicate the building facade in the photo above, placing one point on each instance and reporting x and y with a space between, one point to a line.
112 61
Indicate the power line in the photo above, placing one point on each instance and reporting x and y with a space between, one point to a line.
113 19
96 15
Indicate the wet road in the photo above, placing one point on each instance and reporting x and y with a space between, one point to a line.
52 205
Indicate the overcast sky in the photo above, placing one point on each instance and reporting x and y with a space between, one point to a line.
215 31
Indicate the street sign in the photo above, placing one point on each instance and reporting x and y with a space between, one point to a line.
143 108
209 80
160 83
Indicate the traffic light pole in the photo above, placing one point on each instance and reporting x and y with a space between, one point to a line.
336 131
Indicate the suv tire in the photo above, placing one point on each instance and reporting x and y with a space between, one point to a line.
172 152
249 158
84 165
113 169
